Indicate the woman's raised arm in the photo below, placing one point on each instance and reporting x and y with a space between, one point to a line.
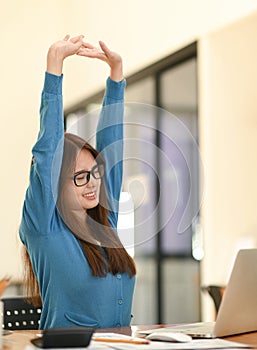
109 138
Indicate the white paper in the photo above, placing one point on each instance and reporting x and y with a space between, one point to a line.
193 345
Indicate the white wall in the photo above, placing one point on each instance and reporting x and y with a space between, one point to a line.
142 31
228 119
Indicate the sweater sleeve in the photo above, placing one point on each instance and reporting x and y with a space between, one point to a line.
109 142
39 205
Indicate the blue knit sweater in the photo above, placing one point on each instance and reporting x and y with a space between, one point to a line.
71 295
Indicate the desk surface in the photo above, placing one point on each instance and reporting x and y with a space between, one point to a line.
17 340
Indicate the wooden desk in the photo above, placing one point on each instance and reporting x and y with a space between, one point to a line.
19 339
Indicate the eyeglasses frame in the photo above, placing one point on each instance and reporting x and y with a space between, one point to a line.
89 173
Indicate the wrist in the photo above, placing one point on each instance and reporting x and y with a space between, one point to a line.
54 62
116 72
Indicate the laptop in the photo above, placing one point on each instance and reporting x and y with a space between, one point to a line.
238 309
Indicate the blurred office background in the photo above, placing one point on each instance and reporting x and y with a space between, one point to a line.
191 131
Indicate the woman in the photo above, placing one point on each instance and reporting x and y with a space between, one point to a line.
75 262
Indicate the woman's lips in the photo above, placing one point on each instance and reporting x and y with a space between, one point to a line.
90 195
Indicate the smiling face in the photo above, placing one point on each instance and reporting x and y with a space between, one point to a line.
88 194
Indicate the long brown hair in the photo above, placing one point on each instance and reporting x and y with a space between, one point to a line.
101 245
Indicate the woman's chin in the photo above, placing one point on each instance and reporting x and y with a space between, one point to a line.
90 204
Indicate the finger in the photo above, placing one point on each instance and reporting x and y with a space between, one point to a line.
66 38
92 54
87 53
104 47
87 45
76 39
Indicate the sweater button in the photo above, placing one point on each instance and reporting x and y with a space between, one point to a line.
120 302
119 276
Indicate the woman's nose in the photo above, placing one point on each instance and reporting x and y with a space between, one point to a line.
91 180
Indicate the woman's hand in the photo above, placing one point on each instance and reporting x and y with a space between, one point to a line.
60 50
103 53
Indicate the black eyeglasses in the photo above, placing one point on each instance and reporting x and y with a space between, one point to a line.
82 177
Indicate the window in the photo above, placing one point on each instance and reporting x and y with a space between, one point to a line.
161 173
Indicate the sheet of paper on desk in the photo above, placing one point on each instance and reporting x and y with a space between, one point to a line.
193 345
136 343
154 345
